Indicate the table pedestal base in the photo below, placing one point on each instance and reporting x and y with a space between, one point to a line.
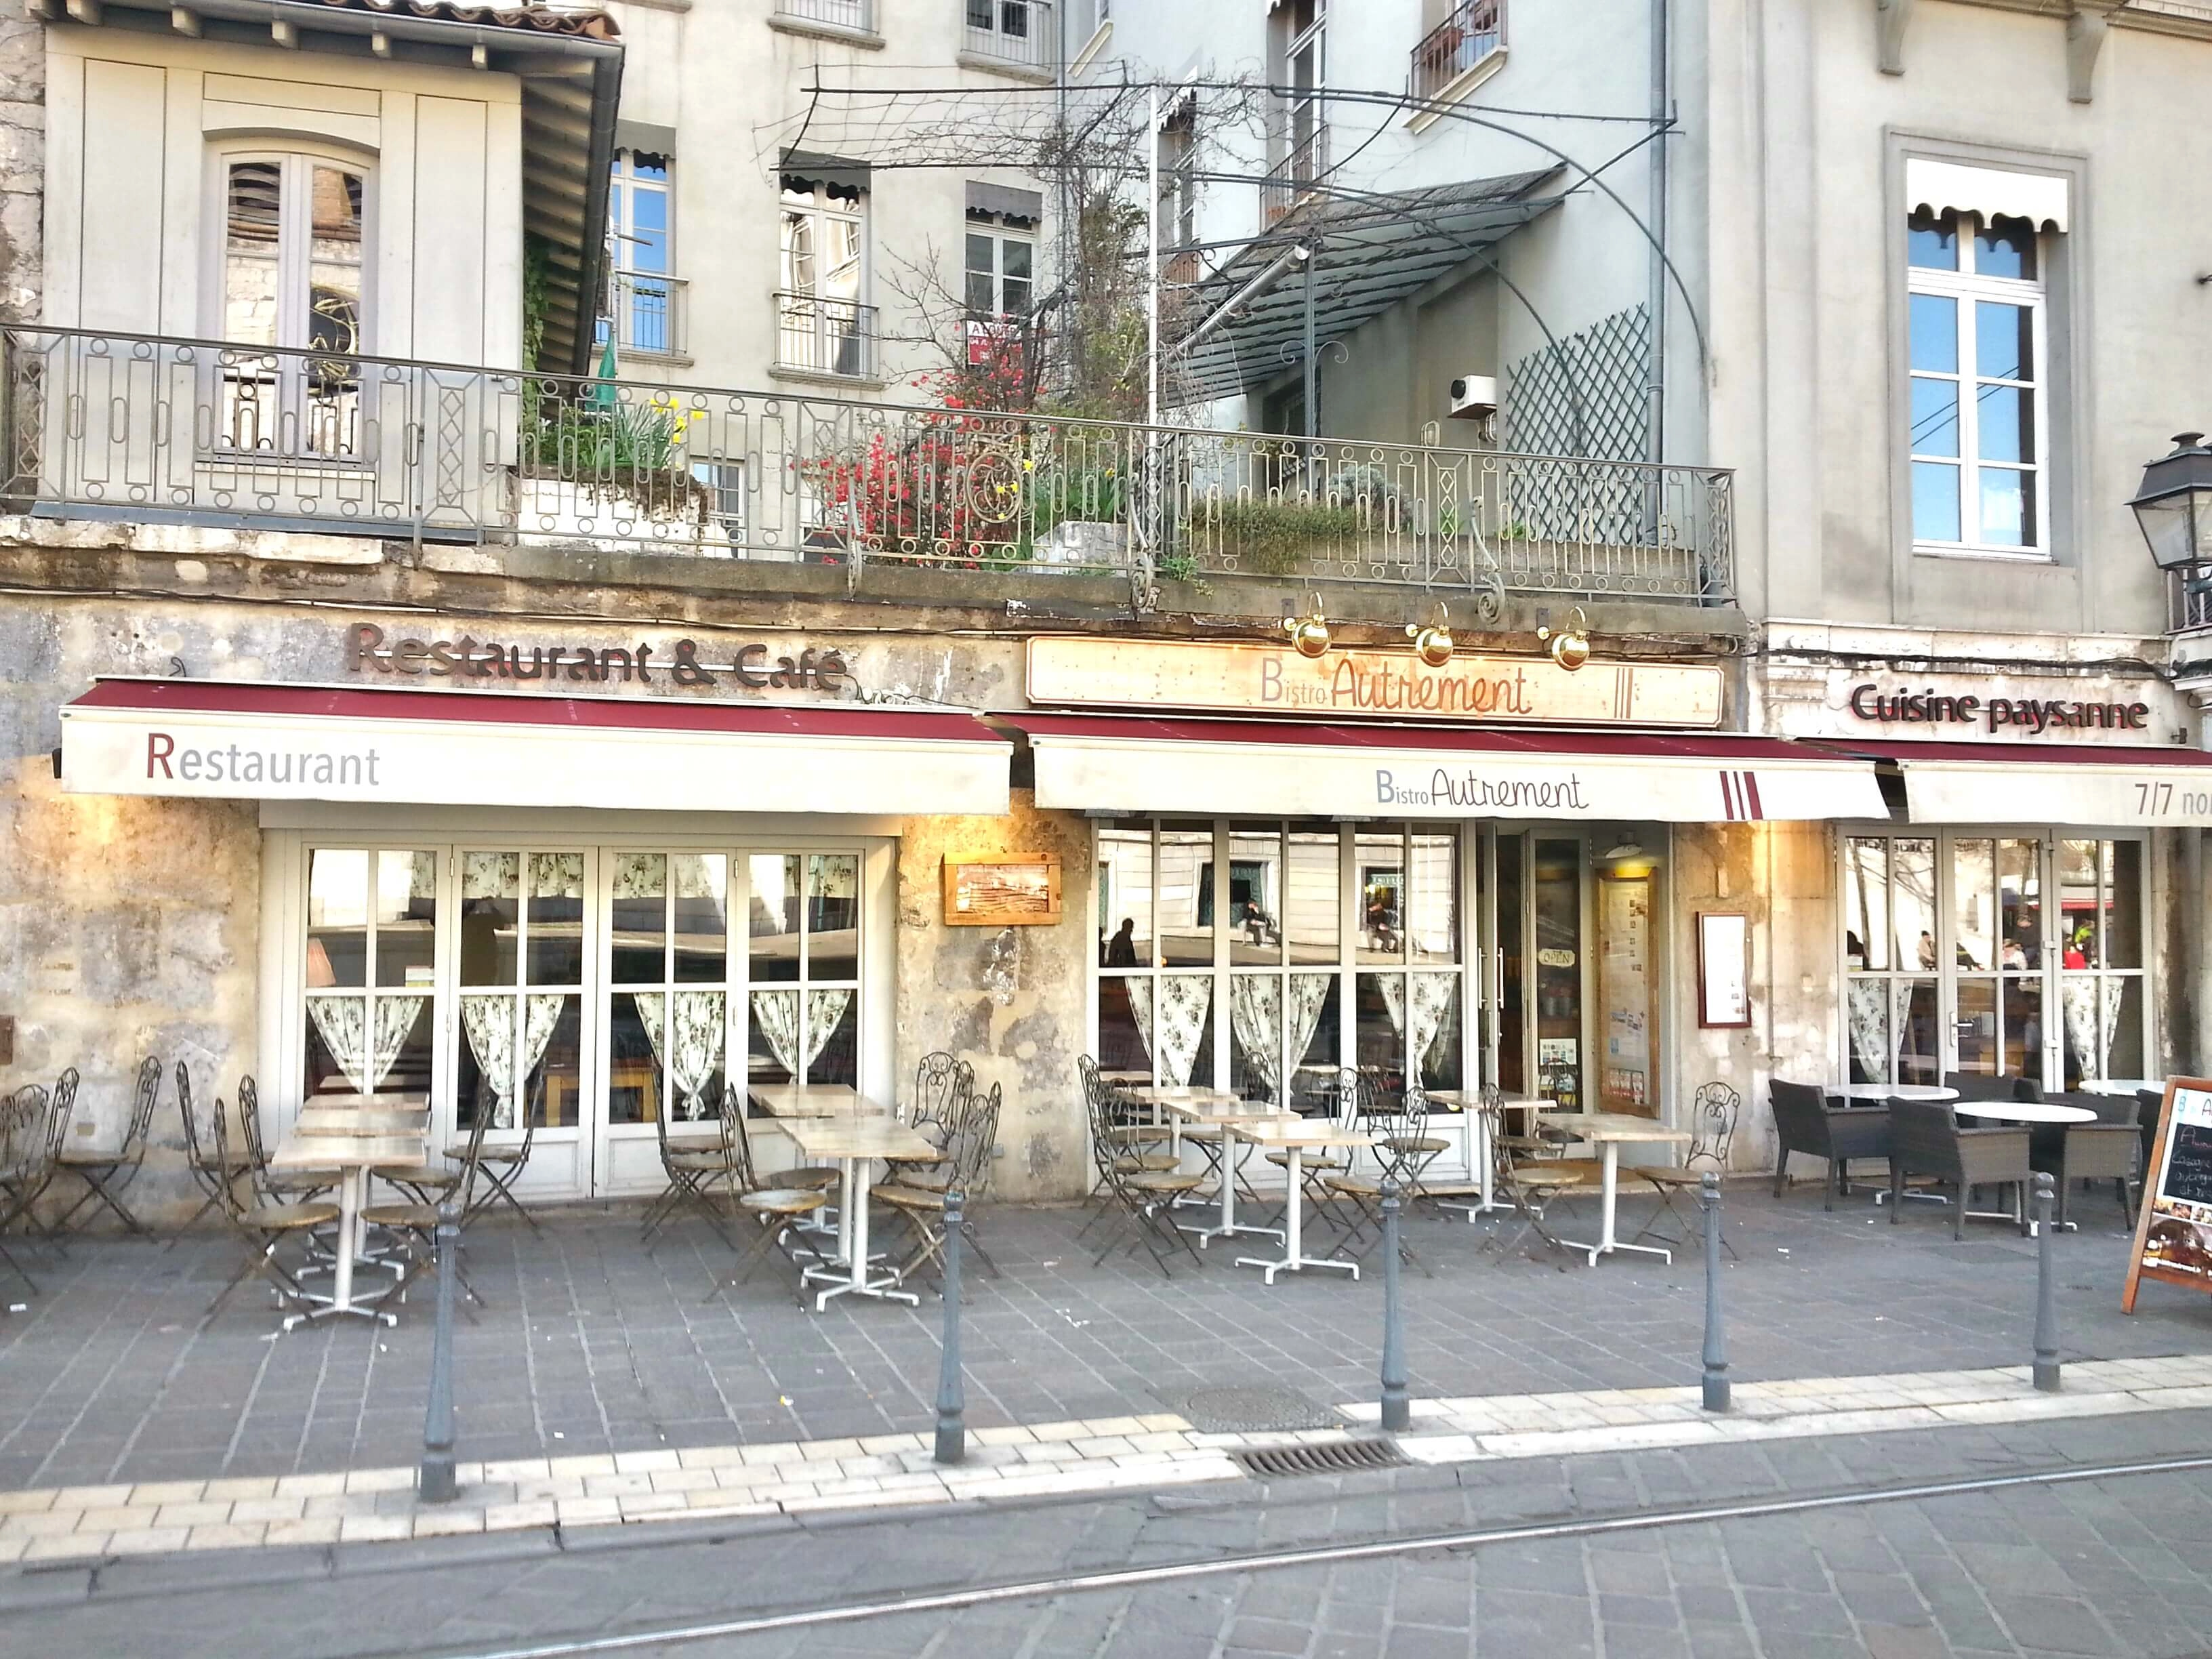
1295 1260
1608 1239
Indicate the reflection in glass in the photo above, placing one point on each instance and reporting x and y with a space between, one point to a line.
1935 501
1977 1026
773 913
833 1024
406 919
1378 1044
337 917
1255 895
1932 243
555 918
1866 903
1557 905
1125 897
833 916
700 884
1919 1038
1433 1038
2023 1026
633 1074
1868 1014
1513 967
1310 907
1974 900
1432 914
2121 934
639 917
491 916
1186 897
1381 896
1120 1033
1935 333
2019 893
1913 900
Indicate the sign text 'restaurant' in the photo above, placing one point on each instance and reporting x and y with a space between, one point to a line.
495 665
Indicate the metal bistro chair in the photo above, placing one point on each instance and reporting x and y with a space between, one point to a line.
1399 1158
500 1167
216 1170
1133 1147
22 1142
1926 1140
106 1174
278 1183
1714 1109
967 1172
415 1219
262 1222
782 1214
29 1177
692 1172
1354 1095
1138 1193
943 1086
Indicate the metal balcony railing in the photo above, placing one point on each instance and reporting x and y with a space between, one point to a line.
144 429
1017 32
1290 183
649 313
1475 29
825 337
2185 612
846 14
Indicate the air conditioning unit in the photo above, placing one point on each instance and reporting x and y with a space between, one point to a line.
1474 397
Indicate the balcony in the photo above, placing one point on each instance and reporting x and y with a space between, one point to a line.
649 314
856 16
1463 42
835 339
1016 34
2186 612
147 429
1290 183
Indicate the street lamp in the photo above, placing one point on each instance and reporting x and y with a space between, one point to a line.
2174 510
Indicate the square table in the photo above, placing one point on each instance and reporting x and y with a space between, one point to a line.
353 1156
320 1120
1297 1136
854 1144
1609 1130
813 1100
1226 1112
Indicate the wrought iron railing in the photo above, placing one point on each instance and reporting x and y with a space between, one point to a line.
1018 32
1290 183
1475 29
846 13
2186 612
139 427
825 337
649 313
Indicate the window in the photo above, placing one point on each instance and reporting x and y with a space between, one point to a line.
999 272
1979 409
370 973
822 325
641 255
805 958
2100 968
1178 143
1018 31
522 968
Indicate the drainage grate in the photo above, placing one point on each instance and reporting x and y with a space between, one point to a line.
1329 1457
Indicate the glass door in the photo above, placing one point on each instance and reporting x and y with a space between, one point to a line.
1555 911
371 977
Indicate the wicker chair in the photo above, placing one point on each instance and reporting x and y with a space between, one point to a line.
1805 1124
1925 1139
106 1173
2107 1150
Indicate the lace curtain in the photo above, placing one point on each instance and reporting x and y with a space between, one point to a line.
2089 1043
488 1023
692 1049
1869 1023
776 1013
1432 998
1255 1020
365 1052
1184 1000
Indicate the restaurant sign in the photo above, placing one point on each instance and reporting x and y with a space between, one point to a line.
497 665
1252 678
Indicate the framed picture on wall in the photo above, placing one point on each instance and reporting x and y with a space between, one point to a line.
1723 968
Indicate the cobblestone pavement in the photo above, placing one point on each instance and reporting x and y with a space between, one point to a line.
2107 1566
592 1343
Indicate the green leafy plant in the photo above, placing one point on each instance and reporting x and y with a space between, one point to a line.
1273 538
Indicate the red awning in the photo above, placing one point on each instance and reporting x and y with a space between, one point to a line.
2035 783
1126 763
275 742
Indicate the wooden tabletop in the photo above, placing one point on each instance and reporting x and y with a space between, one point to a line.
1610 1125
348 1152
1172 1096
1225 1108
1469 1099
340 1120
345 1100
857 1137
1306 1133
813 1100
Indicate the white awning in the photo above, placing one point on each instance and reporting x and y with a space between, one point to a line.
2041 199
2058 784
1108 765
257 742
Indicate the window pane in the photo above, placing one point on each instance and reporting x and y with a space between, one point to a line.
1932 243
798 252
1382 897
1866 902
2123 909
337 917
1913 893
491 916
406 919
1186 897
1122 1045
633 1074
1125 899
980 296
2008 507
1935 417
1977 1026
1014 297
556 919
1432 922
1014 258
832 1031
254 210
1935 333
1935 501
1558 907
1255 895
2004 342
1255 1034
978 256
639 918
2006 247
560 1070
2122 1011
334 274
833 916
1379 1034
701 884
2006 419
1868 1012
646 248
2019 893
1973 904
2080 865
2023 1027
1310 908
1434 1038
773 924
647 164
1919 1055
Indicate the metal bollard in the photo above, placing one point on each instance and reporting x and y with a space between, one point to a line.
1397 1405
2046 1301
437 1482
1716 1379
952 1402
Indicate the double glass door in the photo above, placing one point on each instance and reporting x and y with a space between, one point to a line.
598 994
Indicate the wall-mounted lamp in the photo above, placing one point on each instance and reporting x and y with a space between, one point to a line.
1433 644
1309 634
1569 647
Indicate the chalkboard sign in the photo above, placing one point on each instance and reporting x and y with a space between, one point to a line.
2173 1232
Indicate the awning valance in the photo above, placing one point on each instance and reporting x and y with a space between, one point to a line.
253 742
1993 192
1280 769
2057 783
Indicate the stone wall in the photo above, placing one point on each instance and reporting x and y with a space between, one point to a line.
1023 1032
22 162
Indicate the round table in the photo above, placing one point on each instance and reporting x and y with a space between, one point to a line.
1877 1093
2121 1085
2025 1111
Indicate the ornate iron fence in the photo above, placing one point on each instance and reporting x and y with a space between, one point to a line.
140 427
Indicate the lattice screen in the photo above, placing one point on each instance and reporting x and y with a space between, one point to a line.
1607 368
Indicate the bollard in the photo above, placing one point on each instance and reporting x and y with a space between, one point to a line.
2046 1302
437 1483
1716 1381
952 1433
1397 1407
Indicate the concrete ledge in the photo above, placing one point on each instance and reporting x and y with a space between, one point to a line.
182 541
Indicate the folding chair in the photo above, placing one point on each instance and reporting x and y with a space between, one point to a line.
106 1174
263 1223
967 1171
277 1183
1713 1113
781 1213
214 1170
26 1179
22 1143
1104 1109
690 1172
1137 1194
415 1219
500 1167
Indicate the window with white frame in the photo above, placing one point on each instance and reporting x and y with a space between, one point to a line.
1178 141
1978 409
642 252
1000 264
822 322
370 971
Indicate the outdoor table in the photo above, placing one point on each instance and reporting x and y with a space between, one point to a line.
353 1156
1125 1079
1608 1130
1296 1136
1163 1100
2025 1111
2121 1085
1229 1113
813 1100
854 1144
1483 1153
1875 1094
320 1120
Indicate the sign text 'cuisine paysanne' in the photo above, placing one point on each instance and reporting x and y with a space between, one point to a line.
1354 683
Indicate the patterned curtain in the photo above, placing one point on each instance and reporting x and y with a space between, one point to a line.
1432 1000
775 1014
364 1053
488 1023
1255 1020
2089 1039
1869 1021
693 1052
1184 1000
